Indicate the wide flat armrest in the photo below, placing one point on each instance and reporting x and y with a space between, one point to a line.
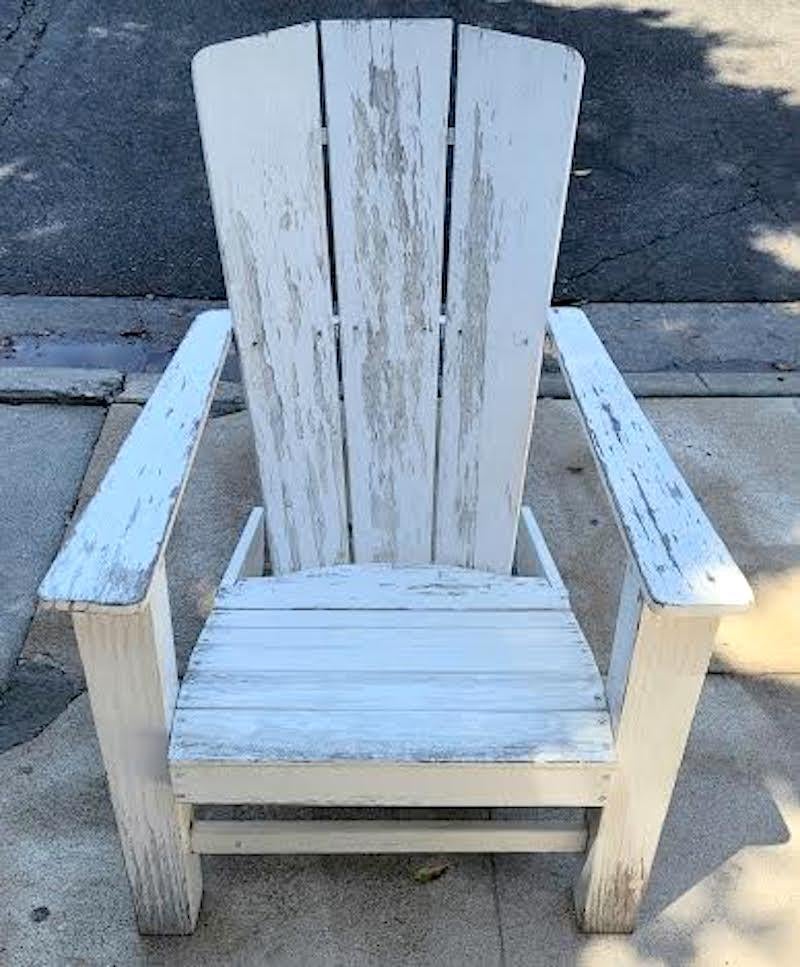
682 562
109 559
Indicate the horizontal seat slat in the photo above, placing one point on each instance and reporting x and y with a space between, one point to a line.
381 587
394 620
257 735
398 691
376 649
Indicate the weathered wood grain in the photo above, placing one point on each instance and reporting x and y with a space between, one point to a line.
537 689
259 110
285 701
546 619
516 110
260 735
532 555
443 650
658 670
682 562
379 783
387 836
130 672
377 587
109 559
387 86
249 555
514 661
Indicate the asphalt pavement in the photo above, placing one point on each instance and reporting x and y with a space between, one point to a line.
684 187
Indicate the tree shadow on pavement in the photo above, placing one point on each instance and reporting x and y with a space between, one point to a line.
683 186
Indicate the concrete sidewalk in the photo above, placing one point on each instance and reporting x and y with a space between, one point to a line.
725 889
727 881
139 335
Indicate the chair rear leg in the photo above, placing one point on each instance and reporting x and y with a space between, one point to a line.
129 659
657 671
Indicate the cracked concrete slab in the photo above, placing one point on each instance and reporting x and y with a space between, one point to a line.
677 194
58 384
697 337
128 334
751 384
45 450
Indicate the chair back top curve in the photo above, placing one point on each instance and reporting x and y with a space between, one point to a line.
401 434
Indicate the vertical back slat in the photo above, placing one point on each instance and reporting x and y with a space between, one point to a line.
259 110
516 110
387 94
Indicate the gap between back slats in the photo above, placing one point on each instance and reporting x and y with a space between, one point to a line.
516 110
387 86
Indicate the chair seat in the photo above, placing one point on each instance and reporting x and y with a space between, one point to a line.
359 666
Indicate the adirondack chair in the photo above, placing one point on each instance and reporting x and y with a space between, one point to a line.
413 644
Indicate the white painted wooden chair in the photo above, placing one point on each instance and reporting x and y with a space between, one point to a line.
394 656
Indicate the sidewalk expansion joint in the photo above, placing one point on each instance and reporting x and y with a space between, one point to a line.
102 387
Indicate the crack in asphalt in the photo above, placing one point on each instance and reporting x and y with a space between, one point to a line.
13 30
754 185
27 8
664 237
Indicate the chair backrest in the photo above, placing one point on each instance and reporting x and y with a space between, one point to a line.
400 439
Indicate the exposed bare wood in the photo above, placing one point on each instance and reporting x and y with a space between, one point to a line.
259 111
111 555
451 135
129 660
381 587
516 110
682 562
668 661
387 88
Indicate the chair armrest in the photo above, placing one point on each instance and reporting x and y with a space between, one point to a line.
109 559
682 562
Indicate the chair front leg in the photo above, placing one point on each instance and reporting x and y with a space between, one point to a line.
129 659
658 665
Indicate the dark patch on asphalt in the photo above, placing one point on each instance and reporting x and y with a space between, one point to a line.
36 695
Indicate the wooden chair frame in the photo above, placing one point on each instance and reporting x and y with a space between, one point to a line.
111 576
